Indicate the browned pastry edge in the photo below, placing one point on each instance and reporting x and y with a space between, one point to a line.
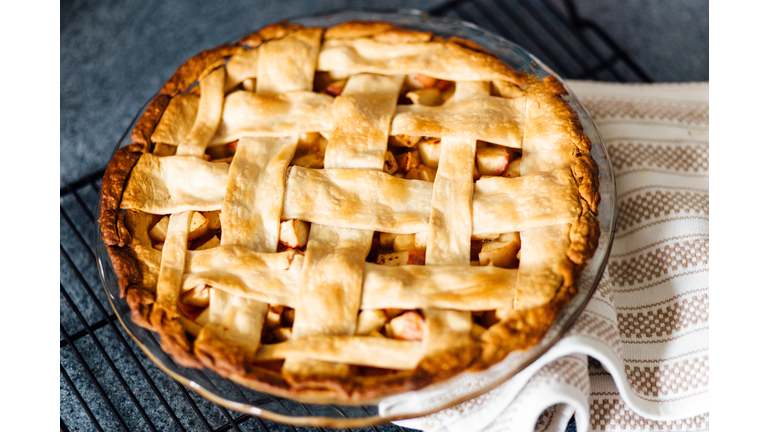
113 230
551 90
521 330
197 68
272 31
359 29
584 168
471 45
146 125
173 337
584 235
126 267
585 172
379 30
218 355
360 388
140 301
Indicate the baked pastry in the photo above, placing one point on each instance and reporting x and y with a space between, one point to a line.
337 215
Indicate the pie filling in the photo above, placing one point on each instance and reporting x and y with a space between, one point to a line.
345 215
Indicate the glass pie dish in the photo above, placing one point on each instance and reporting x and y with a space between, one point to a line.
285 410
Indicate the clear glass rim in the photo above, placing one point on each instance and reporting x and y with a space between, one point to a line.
342 422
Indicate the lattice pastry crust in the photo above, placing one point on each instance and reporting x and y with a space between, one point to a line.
288 222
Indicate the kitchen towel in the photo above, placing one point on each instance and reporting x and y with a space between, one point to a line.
638 356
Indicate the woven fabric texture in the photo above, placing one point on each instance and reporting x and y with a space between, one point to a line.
638 357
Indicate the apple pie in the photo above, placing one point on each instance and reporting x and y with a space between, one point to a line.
340 214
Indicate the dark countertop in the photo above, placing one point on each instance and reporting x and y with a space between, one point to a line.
115 55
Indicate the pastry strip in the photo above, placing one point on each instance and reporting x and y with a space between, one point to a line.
268 277
450 229
440 59
356 350
172 184
332 280
488 118
208 115
165 313
177 119
363 115
288 64
544 264
241 67
172 264
250 114
233 333
362 199
237 320
149 258
457 287
275 278
250 214
450 217
515 204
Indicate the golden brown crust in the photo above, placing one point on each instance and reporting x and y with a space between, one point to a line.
270 32
357 29
252 40
584 234
357 388
146 125
468 44
448 363
322 376
585 172
218 355
140 248
585 231
197 68
133 257
380 31
459 60
113 232
521 329
140 301
401 35
550 91
173 338
126 267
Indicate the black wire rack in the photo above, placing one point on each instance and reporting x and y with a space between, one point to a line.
107 383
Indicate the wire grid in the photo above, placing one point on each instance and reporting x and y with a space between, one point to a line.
109 384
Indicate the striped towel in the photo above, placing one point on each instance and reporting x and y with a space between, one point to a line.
638 357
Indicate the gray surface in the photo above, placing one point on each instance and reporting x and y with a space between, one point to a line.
115 55
669 39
